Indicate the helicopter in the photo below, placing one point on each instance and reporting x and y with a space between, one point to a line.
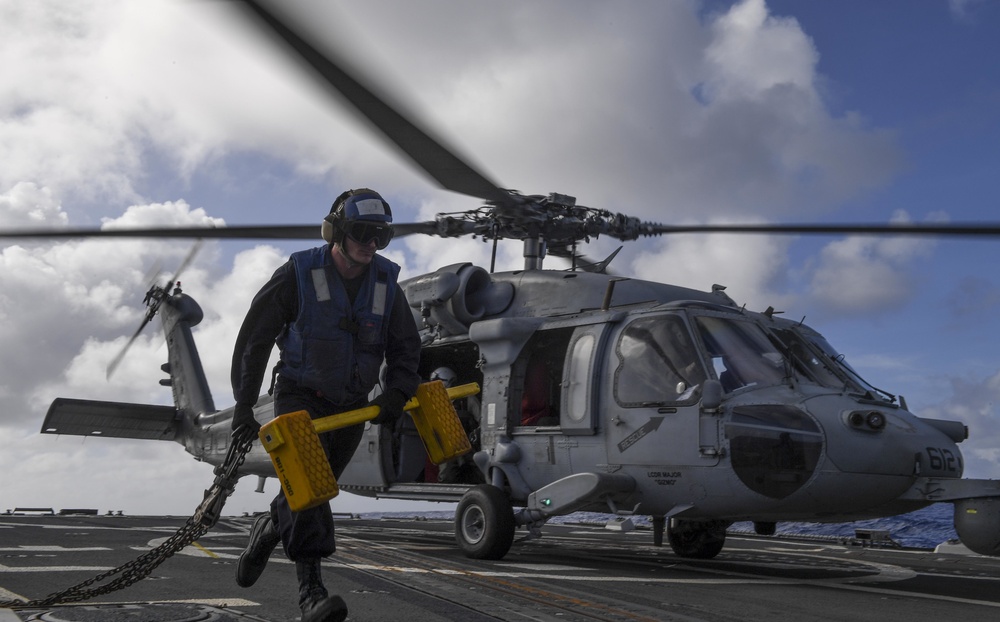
656 400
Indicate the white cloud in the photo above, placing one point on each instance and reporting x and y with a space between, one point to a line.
753 52
752 268
976 403
130 92
60 347
962 10
69 307
27 206
171 213
862 274
765 129
98 91
62 123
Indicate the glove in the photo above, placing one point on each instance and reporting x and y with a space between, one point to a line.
243 418
391 405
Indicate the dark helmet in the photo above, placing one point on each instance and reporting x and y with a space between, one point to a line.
445 375
362 215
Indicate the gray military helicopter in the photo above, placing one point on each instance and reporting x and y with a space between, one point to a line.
599 392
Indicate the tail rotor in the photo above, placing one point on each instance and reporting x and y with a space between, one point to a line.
153 299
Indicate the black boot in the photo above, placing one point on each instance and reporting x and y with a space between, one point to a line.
314 601
263 538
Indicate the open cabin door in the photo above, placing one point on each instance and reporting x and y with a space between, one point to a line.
397 458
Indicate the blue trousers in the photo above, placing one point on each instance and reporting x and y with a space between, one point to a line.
309 534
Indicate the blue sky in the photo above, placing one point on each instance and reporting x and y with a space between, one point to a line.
680 111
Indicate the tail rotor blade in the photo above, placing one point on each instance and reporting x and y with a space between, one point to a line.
115 362
187 261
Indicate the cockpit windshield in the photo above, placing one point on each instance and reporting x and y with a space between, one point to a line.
742 353
837 359
814 365
659 363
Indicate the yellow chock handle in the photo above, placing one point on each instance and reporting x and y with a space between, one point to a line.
360 415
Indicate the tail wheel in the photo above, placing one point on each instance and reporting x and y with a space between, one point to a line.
484 523
697 539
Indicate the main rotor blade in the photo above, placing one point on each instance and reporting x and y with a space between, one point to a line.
309 232
410 228
115 362
982 229
264 232
448 169
245 232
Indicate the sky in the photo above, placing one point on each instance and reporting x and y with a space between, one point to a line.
121 113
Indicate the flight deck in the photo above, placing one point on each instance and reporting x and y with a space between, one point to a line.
411 569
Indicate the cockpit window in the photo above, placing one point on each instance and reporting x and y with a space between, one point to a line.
816 366
837 359
742 353
658 363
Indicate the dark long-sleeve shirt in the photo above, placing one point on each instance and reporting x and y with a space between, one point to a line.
276 306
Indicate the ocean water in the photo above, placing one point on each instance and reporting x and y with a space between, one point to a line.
924 528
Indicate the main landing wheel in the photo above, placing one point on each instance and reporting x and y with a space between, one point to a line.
697 539
484 523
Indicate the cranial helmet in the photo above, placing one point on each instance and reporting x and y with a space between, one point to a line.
362 215
445 375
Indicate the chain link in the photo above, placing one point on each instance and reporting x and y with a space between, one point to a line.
205 517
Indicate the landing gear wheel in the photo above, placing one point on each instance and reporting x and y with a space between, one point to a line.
484 523
765 528
697 539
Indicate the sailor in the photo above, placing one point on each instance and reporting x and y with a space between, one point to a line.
461 470
336 313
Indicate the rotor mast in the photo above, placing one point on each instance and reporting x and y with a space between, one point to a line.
534 252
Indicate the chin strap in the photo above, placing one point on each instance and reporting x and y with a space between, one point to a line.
350 262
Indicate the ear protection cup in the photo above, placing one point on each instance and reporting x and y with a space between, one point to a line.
328 230
332 228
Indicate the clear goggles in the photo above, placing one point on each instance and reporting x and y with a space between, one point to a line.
364 232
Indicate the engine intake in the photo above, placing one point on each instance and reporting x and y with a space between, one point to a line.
457 295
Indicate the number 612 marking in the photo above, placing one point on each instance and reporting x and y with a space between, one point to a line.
942 459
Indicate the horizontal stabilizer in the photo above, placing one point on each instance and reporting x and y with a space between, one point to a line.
110 419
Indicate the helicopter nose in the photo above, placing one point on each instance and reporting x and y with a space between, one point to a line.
775 449
883 441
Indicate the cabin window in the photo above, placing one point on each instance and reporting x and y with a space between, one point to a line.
658 363
536 399
541 378
579 378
